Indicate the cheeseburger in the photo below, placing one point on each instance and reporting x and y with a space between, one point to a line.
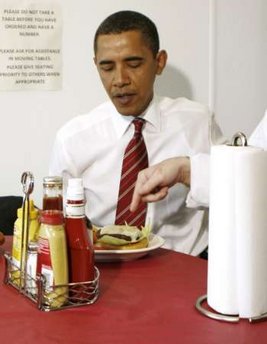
120 237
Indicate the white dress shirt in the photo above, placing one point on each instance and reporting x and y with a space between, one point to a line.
91 147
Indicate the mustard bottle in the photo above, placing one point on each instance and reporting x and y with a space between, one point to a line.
52 260
17 237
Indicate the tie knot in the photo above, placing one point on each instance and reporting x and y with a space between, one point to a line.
138 124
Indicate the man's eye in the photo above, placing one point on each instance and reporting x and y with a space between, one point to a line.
106 68
134 64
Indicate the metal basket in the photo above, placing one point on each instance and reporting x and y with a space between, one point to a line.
51 298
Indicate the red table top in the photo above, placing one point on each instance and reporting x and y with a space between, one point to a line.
149 300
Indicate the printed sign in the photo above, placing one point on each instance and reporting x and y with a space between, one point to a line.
30 45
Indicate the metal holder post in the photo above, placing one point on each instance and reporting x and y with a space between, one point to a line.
27 182
239 139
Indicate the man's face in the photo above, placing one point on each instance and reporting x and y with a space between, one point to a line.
127 69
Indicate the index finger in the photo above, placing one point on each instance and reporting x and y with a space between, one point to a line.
136 199
147 181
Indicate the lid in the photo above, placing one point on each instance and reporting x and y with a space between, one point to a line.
53 180
75 189
32 246
33 212
52 217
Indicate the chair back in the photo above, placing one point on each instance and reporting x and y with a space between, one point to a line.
8 213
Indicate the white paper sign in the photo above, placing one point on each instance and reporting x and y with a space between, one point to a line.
30 45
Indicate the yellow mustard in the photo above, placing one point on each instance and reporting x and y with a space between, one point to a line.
52 258
17 238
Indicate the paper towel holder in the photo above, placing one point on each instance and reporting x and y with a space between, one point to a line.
238 139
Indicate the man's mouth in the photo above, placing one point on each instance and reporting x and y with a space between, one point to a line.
124 98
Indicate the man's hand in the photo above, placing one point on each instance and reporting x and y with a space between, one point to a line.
153 182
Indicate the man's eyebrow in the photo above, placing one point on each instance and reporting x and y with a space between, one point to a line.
127 59
105 62
134 58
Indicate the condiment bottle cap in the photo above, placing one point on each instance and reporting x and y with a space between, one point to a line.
52 180
75 189
32 245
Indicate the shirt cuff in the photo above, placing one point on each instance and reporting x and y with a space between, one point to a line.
198 195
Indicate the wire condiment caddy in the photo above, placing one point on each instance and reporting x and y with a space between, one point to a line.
37 288
48 299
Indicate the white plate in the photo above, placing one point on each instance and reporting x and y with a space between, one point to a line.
155 241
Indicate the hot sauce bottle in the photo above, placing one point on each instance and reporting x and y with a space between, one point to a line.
80 247
52 193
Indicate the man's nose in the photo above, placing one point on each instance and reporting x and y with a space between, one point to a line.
121 77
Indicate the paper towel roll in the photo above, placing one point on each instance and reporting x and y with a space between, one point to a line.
251 232
237 277
222 293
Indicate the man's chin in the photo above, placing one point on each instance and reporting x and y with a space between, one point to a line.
127 114
126 110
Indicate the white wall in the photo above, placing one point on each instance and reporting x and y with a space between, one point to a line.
241 55
234 68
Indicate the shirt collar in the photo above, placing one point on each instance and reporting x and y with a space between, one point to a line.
151 115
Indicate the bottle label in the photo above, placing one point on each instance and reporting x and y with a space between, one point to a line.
47 272
31 273
16 246
45 258
75 210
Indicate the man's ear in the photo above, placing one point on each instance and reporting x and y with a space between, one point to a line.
161 61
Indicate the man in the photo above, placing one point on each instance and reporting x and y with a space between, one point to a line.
128 59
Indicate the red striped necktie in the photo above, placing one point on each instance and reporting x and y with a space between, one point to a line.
135 159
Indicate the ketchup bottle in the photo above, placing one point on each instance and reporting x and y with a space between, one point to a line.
80 247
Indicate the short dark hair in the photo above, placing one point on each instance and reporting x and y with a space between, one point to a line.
130 21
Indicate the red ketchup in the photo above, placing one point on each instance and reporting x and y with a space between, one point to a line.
52 193
80 247
53 203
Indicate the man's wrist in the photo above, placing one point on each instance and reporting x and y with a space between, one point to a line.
184 174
